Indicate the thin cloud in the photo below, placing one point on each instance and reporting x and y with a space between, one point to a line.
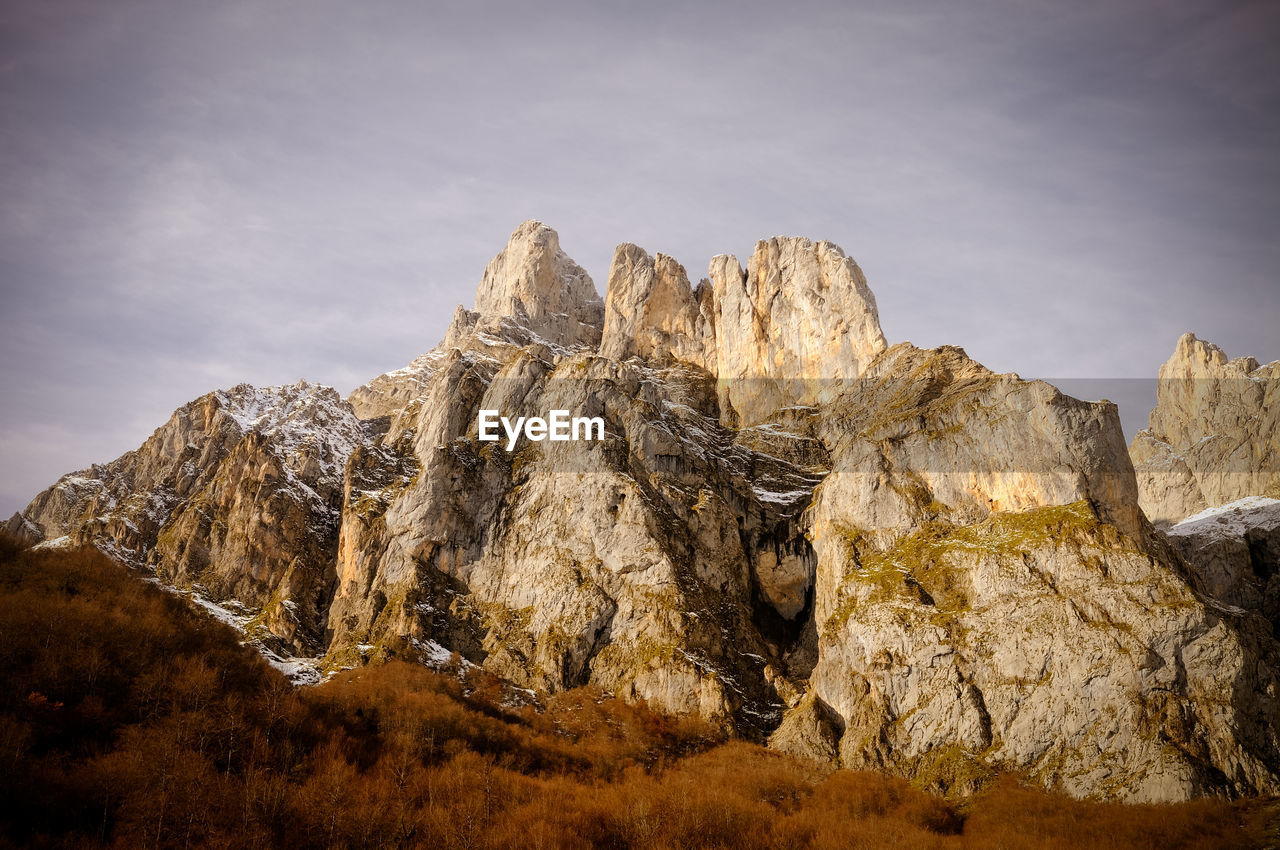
198 195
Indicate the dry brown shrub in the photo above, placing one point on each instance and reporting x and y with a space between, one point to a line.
128 720
1015 816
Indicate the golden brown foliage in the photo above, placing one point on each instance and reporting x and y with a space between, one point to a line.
129 720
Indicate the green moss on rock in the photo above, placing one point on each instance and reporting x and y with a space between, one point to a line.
951 771
926 566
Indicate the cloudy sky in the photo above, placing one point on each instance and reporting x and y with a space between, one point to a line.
198 194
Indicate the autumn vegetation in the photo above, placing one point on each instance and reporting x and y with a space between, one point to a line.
127 719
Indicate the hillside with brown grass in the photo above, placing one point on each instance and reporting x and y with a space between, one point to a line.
128 719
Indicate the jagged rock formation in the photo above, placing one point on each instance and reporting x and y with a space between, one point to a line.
654 314
626 562
532 294
1235 551
793 329
535 283
884 557
988 594
238 494
1214 434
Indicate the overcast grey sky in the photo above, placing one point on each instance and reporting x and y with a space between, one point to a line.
197 194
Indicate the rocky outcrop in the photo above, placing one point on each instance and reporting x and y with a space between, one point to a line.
987 594
930 434
538 285
795 328
1214 434
531 294
653 313
238 495
1235 552
872 556
810 730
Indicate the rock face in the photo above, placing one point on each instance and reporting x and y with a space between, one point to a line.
794 328
534 282
1235 551
988 594
652 312
659 562
239 494
873 556
1214 434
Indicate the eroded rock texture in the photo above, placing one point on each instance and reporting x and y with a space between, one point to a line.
1214 434
1234 551
875 556
238 495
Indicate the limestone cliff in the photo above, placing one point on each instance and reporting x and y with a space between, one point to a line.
1234 550
876 556
792 328
988 594
1214 434
238 495
653 313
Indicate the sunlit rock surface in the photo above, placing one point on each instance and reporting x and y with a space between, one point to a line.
873 556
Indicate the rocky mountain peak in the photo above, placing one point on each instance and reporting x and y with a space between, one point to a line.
794 328
1213 435
880 557
1192 352
534 282
531 293
652 312
236 497
1196 358
308 425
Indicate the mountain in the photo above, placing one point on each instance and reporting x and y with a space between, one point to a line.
1214 434
238 495
1235 551
871 555
1208 469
